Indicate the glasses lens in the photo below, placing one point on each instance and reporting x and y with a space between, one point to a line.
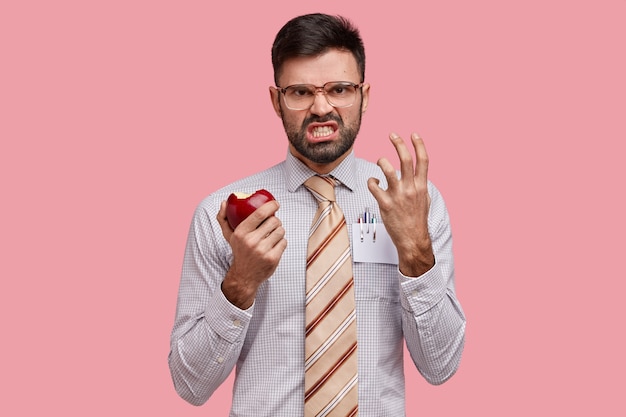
340 94
299 97
302 96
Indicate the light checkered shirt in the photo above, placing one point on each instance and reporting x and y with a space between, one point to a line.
266 342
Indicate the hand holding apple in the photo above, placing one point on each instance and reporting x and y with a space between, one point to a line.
257 246
240 205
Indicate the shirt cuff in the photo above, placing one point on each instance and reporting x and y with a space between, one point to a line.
421 293
227 320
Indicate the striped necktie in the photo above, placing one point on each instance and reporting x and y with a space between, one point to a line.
331 336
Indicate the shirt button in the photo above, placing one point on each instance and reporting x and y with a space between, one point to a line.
414 293
237 323
220 360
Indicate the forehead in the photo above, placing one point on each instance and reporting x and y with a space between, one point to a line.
334 65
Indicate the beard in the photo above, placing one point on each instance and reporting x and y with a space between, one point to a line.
322 152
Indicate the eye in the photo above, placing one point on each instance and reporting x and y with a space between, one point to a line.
337 90
299 91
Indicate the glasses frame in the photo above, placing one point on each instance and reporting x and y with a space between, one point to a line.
322 90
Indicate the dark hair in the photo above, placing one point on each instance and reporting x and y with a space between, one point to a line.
314 34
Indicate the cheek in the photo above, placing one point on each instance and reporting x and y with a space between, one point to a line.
351 118
293 122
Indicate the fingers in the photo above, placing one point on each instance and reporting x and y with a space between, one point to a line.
261 227
259 216
412 174
274 240
408 171
421 158
268 238
406 160
271 230
383 197
374 187
388 170
251 223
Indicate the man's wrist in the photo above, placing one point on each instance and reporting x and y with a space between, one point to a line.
416 262
238 292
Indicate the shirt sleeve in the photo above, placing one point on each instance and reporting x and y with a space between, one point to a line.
432 318
208 331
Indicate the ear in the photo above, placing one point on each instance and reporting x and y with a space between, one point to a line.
366 97
275 97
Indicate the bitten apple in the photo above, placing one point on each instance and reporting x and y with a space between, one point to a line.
241 205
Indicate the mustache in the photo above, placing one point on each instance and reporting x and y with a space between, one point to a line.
322 119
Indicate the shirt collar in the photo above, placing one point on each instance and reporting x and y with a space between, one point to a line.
297 172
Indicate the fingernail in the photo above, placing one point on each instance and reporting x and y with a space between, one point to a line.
393 136
416 136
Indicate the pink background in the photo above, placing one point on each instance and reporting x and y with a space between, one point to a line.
118 117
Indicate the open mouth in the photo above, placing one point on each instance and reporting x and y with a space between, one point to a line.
322 132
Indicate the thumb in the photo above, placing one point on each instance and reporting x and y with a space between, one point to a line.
373 184
227 231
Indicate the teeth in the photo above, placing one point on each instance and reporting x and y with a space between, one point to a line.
322 131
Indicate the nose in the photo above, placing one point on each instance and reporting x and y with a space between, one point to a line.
320 106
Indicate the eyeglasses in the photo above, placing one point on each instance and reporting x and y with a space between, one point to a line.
302 96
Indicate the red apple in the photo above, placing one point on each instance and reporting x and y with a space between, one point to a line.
241 205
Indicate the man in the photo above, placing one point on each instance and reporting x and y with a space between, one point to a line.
242 293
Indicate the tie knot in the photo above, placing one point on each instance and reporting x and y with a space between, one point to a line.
323 188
